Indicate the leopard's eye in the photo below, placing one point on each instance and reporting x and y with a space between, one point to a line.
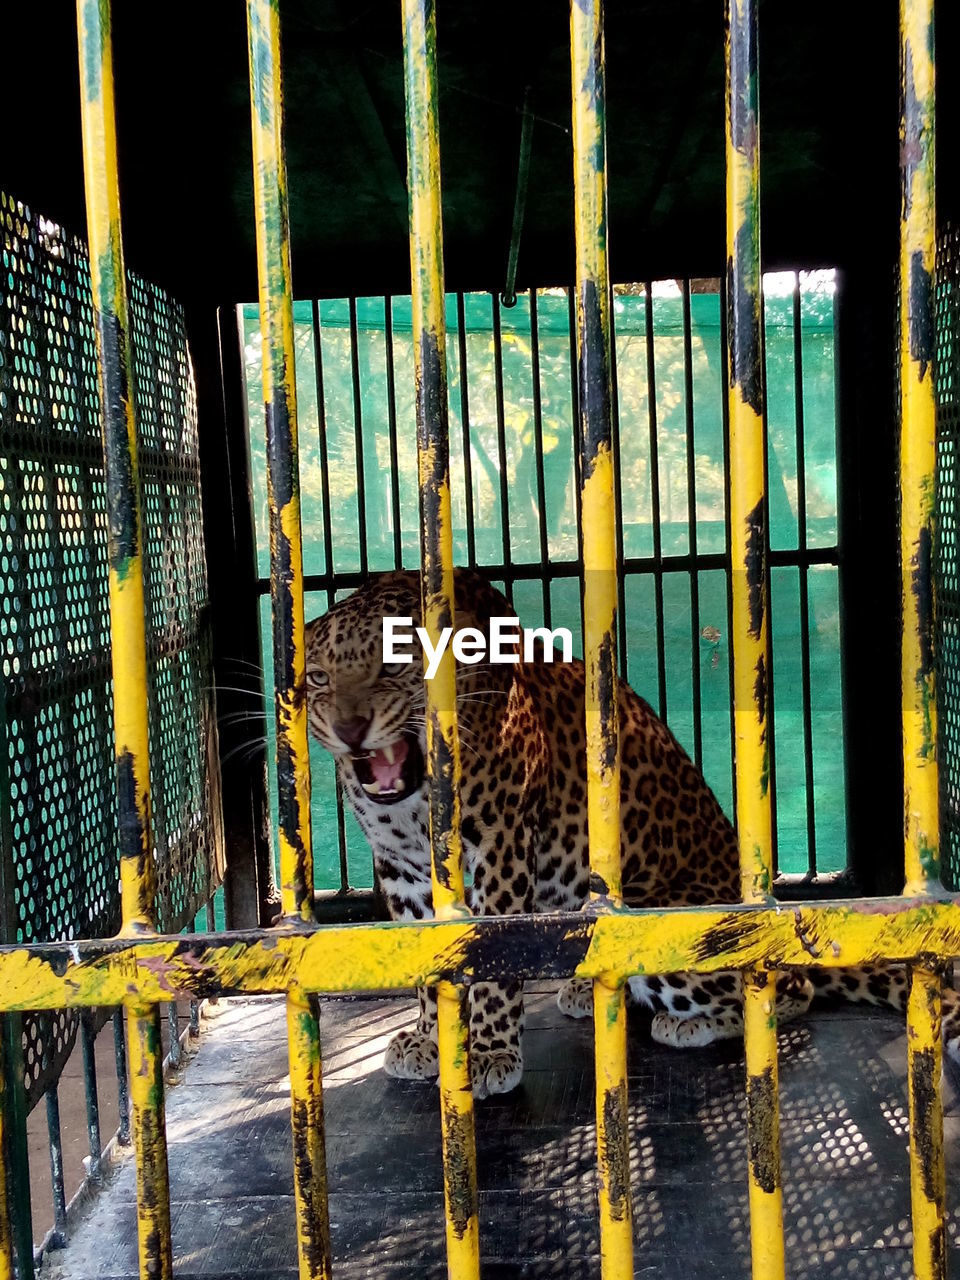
393 668
317 679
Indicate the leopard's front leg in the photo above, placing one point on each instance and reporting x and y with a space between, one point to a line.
411 1054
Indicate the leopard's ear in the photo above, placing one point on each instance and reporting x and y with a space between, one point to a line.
478 601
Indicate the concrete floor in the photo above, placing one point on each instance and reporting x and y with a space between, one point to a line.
844 1126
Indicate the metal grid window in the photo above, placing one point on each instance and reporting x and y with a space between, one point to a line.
515 508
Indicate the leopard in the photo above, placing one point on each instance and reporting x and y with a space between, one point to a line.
521 729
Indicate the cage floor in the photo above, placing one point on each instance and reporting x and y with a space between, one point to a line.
844 1132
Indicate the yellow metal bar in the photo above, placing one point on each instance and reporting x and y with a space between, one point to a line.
309 1159
115 378
406 955
600 616
286 587
437 599
460 1195
918 443
145 1056
748 526
613 1131
430 372
918 339
763 1124
127 625
596 476
6 1235
927 1178
283 474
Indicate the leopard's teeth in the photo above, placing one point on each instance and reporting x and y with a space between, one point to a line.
400 785
371 788
388 752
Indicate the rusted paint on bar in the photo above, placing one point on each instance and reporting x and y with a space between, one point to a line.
918 441
748 551
927 1178
747 498
309 1159
458 1137
283 475
596 458
433 446
763 1124
115 383
598 522
437 606
374 957
145 1055
613 1131
127 623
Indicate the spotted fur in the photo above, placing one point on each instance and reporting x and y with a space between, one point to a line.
524 821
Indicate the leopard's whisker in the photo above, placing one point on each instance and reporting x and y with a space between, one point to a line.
245 749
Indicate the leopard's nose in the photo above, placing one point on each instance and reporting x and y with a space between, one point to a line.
353 731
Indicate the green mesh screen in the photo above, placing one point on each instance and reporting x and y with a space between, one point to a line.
355 394
59 840
947 566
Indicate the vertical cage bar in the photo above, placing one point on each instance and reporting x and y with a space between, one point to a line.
803 571
502 446
927 1177
149 1133
594 367
392 430
918 441
692 526
748 525
6 1221
544 543
88 1043
358 433
727 534
328 565
55 1139
123 1088
16 1149
917 496
465 430
283 474
127 622
575 406
655 496
286 580
309 1156
618 500
173 1024
437 595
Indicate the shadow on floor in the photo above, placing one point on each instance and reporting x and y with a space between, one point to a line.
844 1137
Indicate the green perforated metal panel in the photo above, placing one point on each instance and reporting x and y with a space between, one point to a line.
59 828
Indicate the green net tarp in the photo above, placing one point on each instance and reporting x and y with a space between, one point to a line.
356 376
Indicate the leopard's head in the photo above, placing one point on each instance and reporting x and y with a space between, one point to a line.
368 714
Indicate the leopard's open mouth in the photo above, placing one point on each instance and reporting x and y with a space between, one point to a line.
391 773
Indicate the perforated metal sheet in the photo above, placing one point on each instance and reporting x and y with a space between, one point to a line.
59 829
948 560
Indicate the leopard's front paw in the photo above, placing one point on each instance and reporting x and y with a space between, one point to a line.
495 1071
411 1056
575 998
686 1033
